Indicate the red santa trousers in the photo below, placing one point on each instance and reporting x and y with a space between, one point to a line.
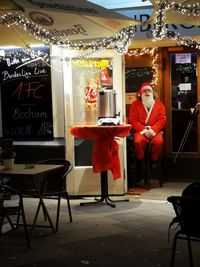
140 141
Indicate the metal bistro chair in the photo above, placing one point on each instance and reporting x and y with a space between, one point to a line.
187 218
54 185
17 209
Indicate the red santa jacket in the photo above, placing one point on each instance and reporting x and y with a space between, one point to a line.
138 115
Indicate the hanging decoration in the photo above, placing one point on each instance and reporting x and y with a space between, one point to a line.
185 41
119 42
160 32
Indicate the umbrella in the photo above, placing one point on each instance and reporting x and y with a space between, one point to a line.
65 20
7 5
174 17
13 35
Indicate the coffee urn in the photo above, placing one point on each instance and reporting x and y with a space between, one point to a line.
107 114
107 103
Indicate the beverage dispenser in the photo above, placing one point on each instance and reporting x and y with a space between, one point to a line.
107 114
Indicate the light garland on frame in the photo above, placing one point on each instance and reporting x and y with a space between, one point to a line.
153 52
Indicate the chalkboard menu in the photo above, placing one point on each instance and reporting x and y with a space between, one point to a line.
26 100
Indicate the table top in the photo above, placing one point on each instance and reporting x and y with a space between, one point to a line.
95 132
37 169
102 127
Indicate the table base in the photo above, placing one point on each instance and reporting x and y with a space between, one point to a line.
104 198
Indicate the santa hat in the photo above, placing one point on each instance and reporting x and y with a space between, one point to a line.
144 86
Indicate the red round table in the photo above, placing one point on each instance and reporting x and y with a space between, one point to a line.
105 151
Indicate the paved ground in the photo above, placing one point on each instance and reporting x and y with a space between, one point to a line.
134 233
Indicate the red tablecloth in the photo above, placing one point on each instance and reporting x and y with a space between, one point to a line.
105 150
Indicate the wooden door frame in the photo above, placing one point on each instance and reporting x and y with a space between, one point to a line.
167 93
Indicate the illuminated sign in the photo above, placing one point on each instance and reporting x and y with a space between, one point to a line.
91 63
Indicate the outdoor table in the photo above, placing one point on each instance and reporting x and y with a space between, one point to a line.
105 153
20 174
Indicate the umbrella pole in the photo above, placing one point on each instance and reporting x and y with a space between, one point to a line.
188 129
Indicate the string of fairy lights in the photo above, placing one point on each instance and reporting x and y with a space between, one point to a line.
160 32
119 42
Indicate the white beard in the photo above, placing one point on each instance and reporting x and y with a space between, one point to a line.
147 100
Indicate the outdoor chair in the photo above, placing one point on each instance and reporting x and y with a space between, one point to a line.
10 210
192 190
187 218
6 180
54 186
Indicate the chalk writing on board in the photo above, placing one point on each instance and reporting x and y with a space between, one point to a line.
26 99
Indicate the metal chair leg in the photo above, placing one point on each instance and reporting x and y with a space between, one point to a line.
69 208
190 252
174 250
24 223
58 211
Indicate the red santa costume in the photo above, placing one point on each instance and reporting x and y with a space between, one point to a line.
147 117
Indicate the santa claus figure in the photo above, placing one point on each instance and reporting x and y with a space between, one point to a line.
147 117
92 88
